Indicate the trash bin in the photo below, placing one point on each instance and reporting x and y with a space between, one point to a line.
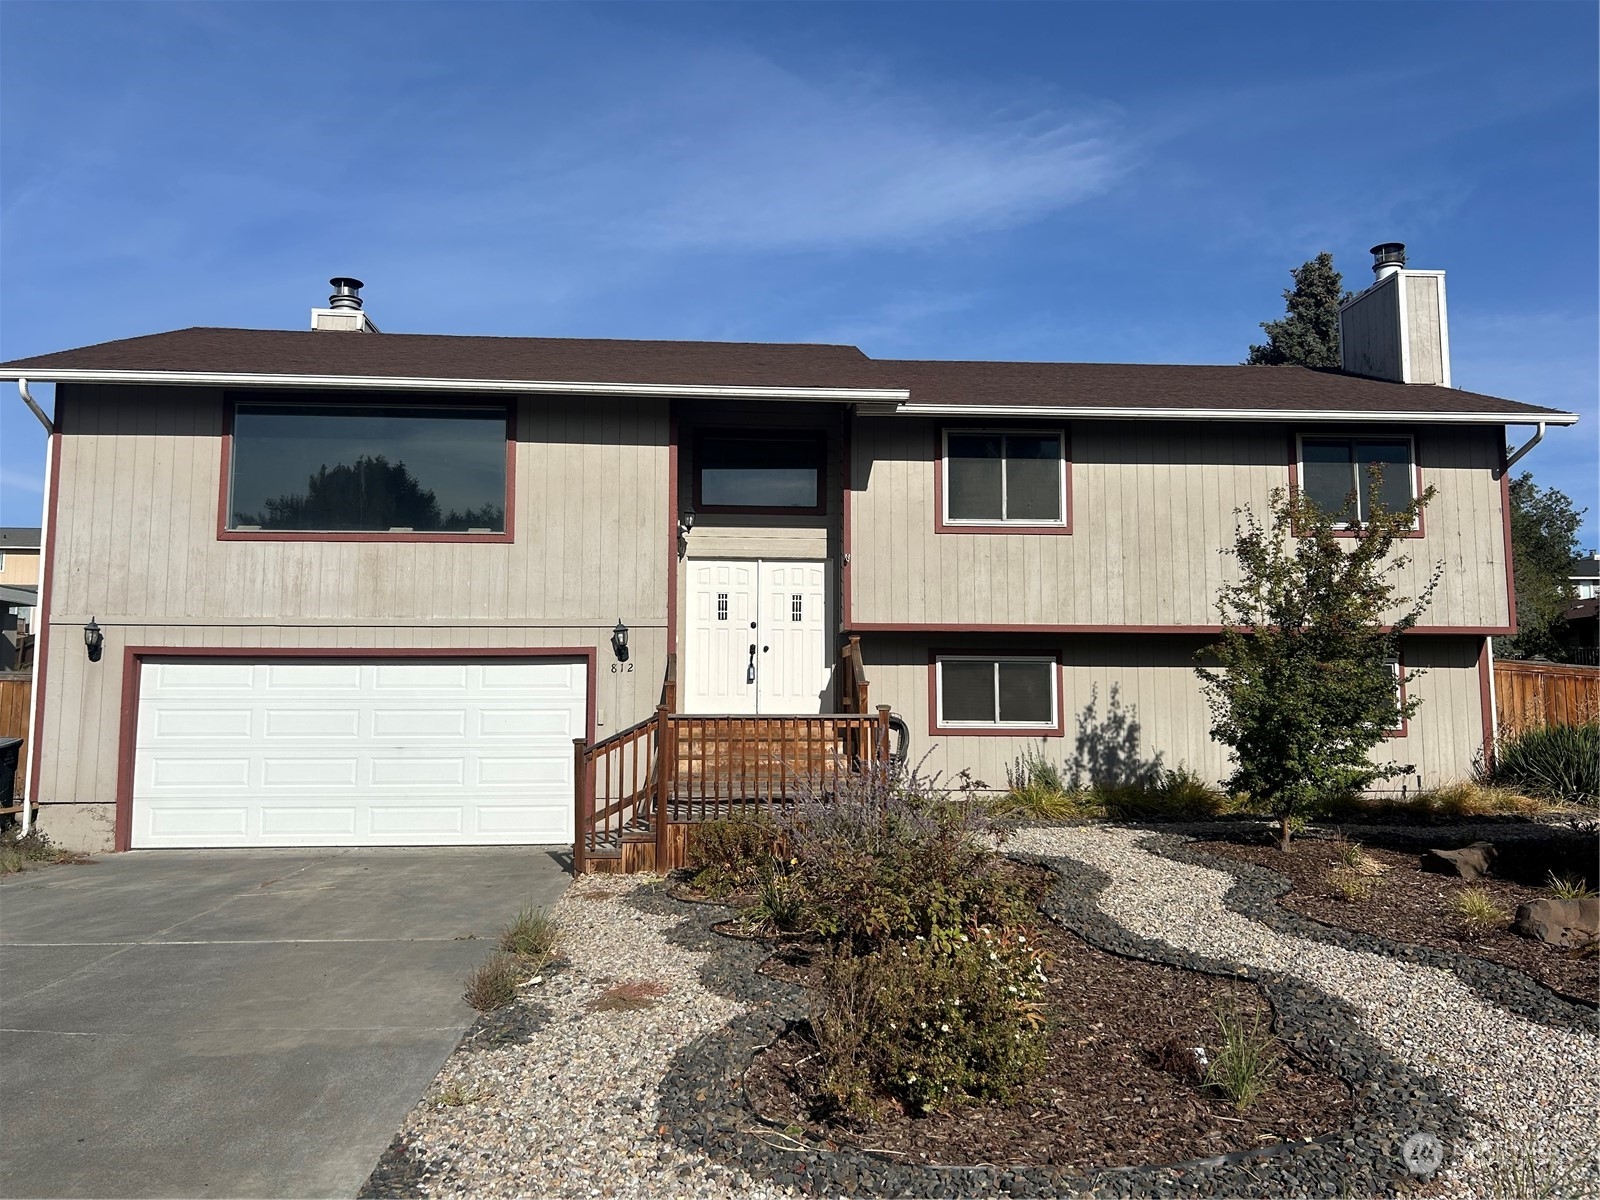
10 752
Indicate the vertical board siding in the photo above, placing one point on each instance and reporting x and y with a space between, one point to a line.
1529 695
1152 507
1424 331
137 540
1149 682
1370 332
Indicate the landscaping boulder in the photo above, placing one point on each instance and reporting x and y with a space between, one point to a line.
1470 863
1559 922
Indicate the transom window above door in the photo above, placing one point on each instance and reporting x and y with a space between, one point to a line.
760 472
1004 479
403 470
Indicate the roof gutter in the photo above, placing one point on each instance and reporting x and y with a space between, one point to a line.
1538 436
480 386
1109 412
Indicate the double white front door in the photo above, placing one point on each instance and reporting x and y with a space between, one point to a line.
757 638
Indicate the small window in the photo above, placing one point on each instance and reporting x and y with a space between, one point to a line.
1001 692
760 472
368 468
1336 474
796 609
1004 478
722 606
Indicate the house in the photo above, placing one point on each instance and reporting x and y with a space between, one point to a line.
339 586
1585 576
19 579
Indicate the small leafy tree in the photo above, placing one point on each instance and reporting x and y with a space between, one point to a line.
1302 687
1308 334
1544 541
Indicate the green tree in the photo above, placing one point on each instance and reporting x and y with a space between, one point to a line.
1544 541
1301 685
1308 334
371 494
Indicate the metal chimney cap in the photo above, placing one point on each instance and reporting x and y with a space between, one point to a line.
346 292
1391 255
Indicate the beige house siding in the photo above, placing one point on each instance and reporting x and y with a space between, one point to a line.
20 568
1424 328
1370 332
1152 504
136 547
1154 685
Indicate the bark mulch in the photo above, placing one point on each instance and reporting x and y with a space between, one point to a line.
1109 1096
1410 905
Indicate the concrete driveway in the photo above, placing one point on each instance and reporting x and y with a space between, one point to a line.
236 1023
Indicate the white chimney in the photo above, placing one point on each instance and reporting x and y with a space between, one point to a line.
1398 328
344 313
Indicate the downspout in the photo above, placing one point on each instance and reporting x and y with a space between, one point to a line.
1538 436
44 617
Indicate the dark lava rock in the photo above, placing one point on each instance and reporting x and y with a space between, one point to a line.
1559 922
1469 863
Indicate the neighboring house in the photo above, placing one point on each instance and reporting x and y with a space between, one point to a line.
362 588
1585 577
19 579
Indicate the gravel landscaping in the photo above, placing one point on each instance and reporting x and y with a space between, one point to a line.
552 1098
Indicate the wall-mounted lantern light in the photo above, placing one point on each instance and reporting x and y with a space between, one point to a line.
685 526
93 640
619 641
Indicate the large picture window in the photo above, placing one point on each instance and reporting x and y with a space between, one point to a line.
996 692
1004 478
1336 474
760 472
368 468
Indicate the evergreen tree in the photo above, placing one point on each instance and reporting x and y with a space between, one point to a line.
1303 687
1544 541
1308 335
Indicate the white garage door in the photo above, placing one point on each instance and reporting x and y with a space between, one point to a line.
231 752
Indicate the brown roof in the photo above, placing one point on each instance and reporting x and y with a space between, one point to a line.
761 364
1129 385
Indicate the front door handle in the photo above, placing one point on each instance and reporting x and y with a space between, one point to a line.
750 671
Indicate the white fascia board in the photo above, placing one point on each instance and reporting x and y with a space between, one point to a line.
408 383
1236 414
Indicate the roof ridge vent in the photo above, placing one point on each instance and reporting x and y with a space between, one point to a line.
344 313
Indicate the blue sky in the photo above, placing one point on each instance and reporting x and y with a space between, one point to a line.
1126 182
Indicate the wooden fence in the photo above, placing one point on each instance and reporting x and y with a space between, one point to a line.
1530 694
14 690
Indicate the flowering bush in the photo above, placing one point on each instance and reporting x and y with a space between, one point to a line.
932 1025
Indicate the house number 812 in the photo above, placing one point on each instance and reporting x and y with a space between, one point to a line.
622 668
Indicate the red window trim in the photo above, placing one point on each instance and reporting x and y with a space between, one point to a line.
1296 436
1405 726
817 436
935 729
225 487
1015 529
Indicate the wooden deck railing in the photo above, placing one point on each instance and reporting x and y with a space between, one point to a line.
679 769
852 678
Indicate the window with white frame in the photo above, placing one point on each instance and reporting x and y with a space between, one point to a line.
1004 477
996 691
1336 474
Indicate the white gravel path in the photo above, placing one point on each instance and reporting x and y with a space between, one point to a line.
1529 1088
572 1112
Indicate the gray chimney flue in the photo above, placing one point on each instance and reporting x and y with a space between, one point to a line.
346 292
1387 258
344 313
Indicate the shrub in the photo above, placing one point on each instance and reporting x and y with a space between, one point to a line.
493 983
1246 1063
532 936
780 899
891 856
1477 913
1450 801
726 854
1177 795
1037 790
931 1026
1555 762
1569 887
17 850
1350 885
